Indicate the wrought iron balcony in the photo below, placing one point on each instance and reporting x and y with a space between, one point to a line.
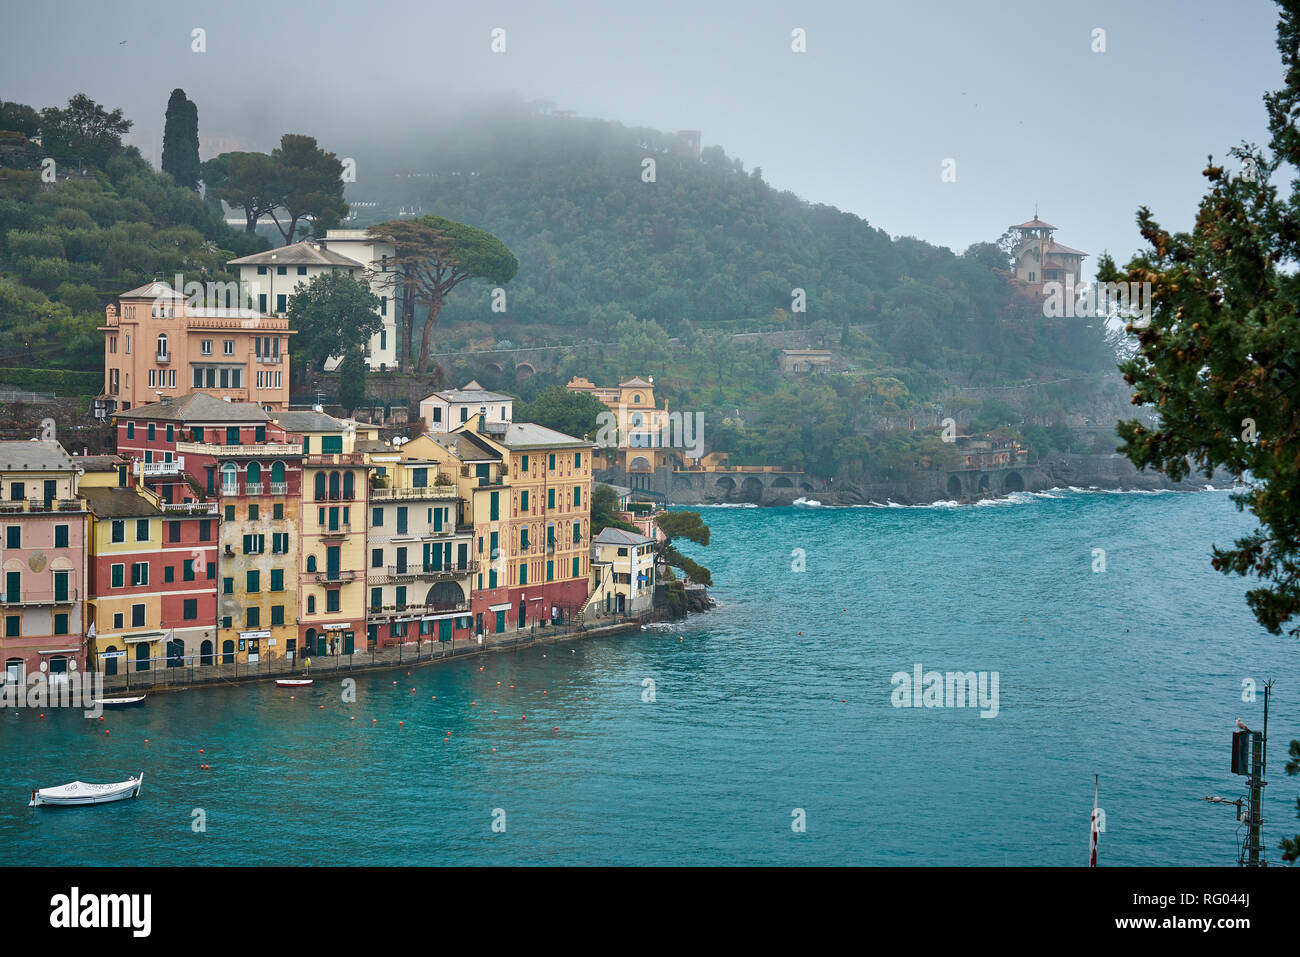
341 577
444 572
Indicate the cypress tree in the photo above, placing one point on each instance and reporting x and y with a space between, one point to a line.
180 156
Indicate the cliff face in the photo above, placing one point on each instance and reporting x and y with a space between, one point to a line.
674 602
1059 470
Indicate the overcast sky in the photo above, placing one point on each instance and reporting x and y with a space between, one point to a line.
1012 91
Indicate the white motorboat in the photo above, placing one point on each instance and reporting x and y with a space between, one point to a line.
79 792
292 682
120 702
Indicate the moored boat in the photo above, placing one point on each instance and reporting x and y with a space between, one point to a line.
79 792
121 702
292 682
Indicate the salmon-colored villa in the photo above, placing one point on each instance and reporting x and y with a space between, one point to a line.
157 345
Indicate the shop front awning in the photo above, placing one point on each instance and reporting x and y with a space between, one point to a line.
60 651
139 636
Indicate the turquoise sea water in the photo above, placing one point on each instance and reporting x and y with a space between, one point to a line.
1134 673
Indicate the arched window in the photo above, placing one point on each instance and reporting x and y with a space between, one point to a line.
334 485
254 476
229 479
277 473
349 485
637 397
320 486
162 345
311 563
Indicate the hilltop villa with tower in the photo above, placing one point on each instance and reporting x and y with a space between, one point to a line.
1040 258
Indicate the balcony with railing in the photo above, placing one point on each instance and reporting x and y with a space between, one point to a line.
416 611
279 488
153 469
334 458
336 530
270 360
252 488
30 597
409 494
43 505
162 358
340 577
257 451
433 572
190 508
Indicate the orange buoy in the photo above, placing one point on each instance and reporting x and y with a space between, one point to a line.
322 707
353 718
374 720
101 717
200 750
106 731
498 684
543 692
291 697
556 728
146 740
400 723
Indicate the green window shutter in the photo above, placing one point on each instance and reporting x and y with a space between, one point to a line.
550 571
523 573
119 575
494 512
523 501
575 566
254 584
277 579
577 495
577 460
550 498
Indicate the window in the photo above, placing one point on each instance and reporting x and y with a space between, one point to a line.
277 614
376 517
252 617
524 466
137 616
277 579
254 581
494 507
311 563
551 464
577 495
523 573
252 513
188 569
130 430
523 538
420 478
376 558
191 609
228 347
227 586
169 573
173 531
281 270
230 480
230 513
311 604
577 460
162 346
302 270
376 599
205 530
13 628
332 600
464 414
117 575
60 536
550 571
212 571
401 519
117 531
277 510
281 301
118 621
171 432
14 536
575 566
142 529
139 573
550 498
577 532
523 501
61 624
400 596
232 435
205 347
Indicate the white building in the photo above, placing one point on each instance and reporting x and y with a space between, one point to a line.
623 566
273 276
451 408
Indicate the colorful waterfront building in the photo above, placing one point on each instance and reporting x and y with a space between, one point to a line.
645 433
1039 258
527 495
421 563
255 472
43 554
449 409
332 528
623 572
158 344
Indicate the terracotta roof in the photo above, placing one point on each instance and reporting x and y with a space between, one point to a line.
306 253
151 290
1065 250
1034 223
198 407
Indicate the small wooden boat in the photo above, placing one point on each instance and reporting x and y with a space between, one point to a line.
79 792
120 702
292 682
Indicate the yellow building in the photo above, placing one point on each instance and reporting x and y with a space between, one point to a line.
526 491
644 431
420 568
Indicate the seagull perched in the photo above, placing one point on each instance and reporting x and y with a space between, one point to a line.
1242 725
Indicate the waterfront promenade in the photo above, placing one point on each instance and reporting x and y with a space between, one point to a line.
189 674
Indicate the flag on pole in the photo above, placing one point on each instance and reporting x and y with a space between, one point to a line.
1092 855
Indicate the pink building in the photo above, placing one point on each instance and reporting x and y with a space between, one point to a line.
157 345
43 554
